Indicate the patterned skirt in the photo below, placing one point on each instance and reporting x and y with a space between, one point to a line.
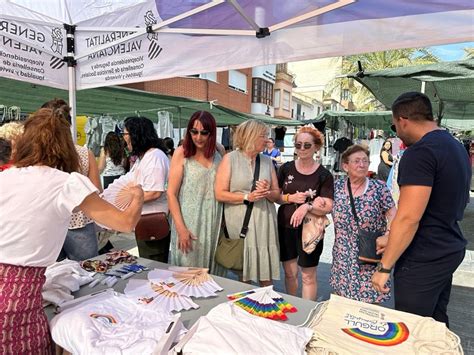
23 324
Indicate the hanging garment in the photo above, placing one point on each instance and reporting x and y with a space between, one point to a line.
107 124
165 126
93 135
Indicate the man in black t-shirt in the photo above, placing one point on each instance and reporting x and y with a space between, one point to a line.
425 244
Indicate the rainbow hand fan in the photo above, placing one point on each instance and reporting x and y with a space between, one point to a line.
263 302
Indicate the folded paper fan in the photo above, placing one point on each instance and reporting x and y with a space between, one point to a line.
262 305
263 302
158 296
118 193
192 282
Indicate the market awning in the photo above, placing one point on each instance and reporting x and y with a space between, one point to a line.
118 102
375 119
449 85
121 102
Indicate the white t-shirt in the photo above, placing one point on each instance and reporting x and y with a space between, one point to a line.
35 209
110 324
152 173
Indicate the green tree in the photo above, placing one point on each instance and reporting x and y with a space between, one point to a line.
361 97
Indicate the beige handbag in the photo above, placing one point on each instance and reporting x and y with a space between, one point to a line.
313 231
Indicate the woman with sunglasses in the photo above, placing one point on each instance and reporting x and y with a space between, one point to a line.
306 187
196 215
234 188
375 210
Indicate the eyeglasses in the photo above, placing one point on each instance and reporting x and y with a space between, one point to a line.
125 134
360 161
195 132
393 128
303 145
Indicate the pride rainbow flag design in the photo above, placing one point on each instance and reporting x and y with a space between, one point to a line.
265 310
396 334
105 317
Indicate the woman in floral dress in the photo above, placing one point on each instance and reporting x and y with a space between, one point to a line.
375 210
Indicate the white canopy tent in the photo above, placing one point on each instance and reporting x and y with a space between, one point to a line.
80 44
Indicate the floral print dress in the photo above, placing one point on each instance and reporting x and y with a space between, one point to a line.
349 278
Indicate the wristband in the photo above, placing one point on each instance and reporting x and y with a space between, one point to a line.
287 198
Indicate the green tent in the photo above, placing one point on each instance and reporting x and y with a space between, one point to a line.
375 119
121 102
449 85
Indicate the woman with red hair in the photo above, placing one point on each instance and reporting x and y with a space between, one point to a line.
196 215
306 188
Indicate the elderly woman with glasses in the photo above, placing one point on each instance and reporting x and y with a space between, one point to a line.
306 188
234 188
196 215
375 210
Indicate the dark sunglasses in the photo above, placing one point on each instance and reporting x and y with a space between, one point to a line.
195 132
305 145
393 128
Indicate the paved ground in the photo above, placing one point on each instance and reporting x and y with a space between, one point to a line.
461 306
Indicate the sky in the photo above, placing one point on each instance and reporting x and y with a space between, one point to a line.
451 52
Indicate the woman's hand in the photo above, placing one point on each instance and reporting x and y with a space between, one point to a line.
185 238
298 197
262 185
319 203
298 216
258 195
381 243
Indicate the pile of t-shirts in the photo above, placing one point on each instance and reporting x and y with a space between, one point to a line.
110 324
62 278
344 326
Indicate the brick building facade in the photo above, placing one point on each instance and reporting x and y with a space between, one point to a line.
204 89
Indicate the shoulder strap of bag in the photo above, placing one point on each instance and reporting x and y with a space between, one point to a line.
352 201
256 173
248 212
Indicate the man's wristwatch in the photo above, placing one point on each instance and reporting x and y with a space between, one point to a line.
380 268
246 199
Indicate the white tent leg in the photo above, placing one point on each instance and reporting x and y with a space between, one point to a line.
72 100
423 86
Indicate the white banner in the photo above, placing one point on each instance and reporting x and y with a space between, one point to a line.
26 53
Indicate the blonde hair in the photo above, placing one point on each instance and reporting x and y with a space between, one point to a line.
247 133
318 137
11 131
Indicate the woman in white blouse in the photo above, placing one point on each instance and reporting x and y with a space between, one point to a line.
36 203
150 170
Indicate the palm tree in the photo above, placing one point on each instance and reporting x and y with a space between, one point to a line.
469 53
361 97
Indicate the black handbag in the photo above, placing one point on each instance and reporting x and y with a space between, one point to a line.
367 240
230 252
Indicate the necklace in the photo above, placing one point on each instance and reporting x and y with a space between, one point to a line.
356 189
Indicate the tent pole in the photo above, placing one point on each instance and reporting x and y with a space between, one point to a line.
423 87
179 122
71 71
72 100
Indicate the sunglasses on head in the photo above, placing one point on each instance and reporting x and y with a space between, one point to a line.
195 132
304 145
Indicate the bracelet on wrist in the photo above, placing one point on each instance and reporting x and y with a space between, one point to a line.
287 198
